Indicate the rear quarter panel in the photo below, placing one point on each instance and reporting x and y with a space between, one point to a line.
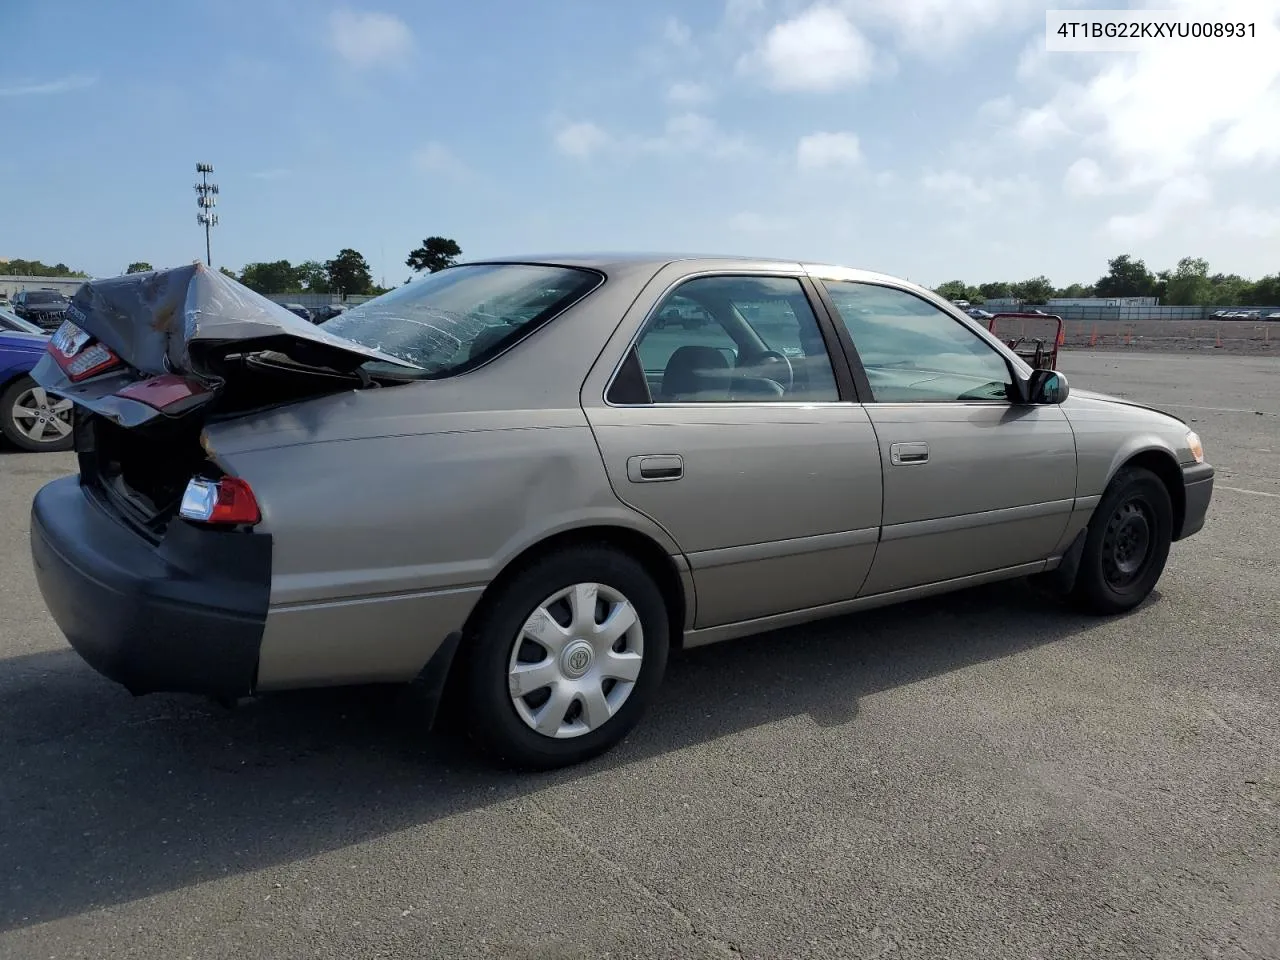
383 545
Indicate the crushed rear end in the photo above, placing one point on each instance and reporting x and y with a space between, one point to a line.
154 560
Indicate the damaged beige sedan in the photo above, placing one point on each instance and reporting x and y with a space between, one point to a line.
522 482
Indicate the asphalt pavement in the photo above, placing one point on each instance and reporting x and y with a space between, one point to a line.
984 775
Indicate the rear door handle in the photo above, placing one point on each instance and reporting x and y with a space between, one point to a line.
903 454
654 468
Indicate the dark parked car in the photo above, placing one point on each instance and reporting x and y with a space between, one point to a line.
321 314
44 308
298 310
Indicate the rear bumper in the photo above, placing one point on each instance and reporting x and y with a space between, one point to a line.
1197 483
185 615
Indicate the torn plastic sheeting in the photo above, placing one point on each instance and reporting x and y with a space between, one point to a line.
150 320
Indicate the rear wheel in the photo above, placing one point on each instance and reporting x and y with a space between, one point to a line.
33 419
1127 545
564 658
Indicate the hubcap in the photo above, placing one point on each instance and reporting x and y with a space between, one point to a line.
576 660
40 417
1127 544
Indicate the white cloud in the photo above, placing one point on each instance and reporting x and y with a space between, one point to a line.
997 108
1084 178
366 38
818 50
965 190
677 32
437 159
75 81
1040 126
932 26
1170 203
1170 110
689 93
693 132
581 139
1252 222
820 150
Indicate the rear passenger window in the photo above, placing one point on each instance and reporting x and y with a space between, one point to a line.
734 339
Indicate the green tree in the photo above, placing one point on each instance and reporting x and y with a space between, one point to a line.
1074 291
995 291
228 273
1266 292
349 273
434 255
139 266
1188 283
1125 277
1035 290
953 290
1228 288
278 276
35 268
314 276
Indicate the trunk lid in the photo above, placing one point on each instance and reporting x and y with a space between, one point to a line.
149 359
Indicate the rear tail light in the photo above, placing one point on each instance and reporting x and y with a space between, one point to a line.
78 358
228 501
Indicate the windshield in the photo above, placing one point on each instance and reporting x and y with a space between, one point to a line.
44 296
11 321
455 319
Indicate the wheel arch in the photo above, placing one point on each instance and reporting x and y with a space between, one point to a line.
670 574
1164 465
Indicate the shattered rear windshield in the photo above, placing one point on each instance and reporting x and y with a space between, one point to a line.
455 319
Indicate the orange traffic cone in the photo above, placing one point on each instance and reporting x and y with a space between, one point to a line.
1062 336
1093 339
1217 343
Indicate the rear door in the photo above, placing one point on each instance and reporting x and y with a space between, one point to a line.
973 483
720 414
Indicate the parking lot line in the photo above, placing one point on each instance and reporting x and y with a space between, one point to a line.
1256 493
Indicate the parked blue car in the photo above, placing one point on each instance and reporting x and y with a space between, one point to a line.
30 418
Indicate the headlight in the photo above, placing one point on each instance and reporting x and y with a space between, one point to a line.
1195 446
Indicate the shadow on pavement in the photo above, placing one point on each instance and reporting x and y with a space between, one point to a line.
105 799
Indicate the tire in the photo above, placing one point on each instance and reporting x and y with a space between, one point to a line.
1127 545
540 600
25 393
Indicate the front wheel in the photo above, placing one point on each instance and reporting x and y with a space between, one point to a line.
564 658
1127 545
34 420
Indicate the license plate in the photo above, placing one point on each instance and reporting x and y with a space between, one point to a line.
70 339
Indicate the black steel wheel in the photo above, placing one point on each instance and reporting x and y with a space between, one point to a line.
1127 544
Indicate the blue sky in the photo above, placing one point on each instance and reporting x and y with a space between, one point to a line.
933 139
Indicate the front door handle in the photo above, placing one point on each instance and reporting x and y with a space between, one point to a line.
654 468
904 454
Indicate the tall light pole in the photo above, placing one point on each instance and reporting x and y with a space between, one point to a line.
206 200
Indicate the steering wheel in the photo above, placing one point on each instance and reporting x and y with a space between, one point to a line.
776 357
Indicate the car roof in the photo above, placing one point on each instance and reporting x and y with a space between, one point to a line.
629 262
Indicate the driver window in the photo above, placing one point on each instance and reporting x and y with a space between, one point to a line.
735 339
915 353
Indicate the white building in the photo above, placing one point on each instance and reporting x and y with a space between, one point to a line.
9 284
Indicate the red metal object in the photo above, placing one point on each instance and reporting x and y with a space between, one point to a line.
1039 347
167 392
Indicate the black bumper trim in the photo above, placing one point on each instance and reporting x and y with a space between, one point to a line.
185 616
1197 482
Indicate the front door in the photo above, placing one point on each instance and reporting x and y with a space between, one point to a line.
973 482
726 425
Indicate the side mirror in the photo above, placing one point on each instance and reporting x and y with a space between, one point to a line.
1047 386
